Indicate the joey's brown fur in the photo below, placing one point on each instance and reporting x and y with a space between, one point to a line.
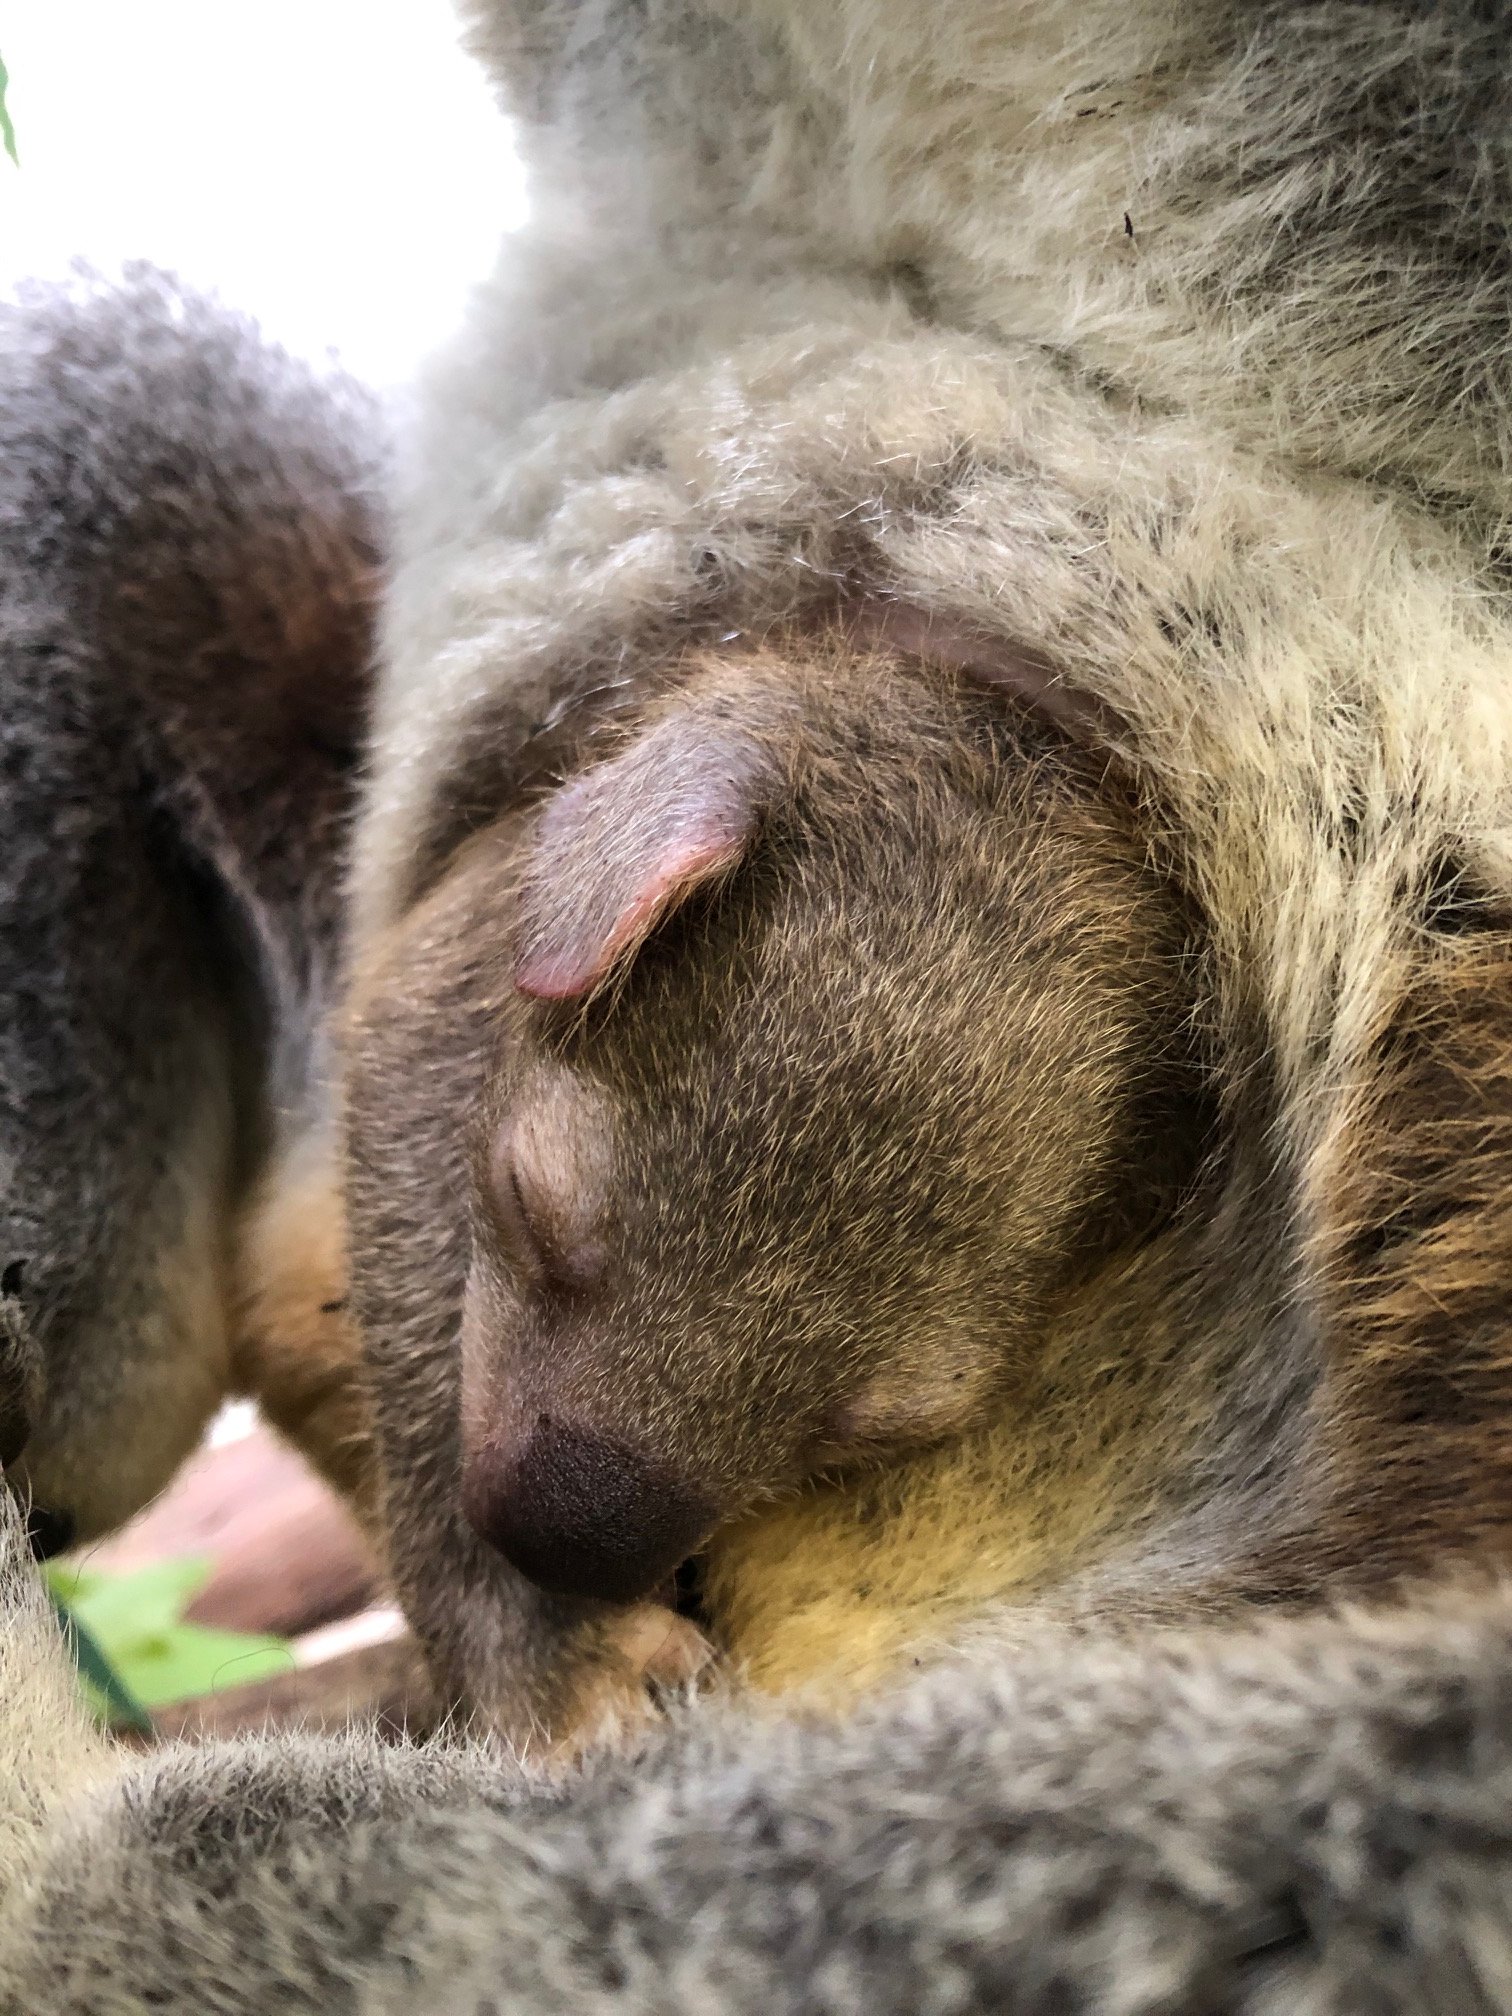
859 1113
1414 1408
1220 501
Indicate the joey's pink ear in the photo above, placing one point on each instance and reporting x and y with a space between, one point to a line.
1020 673
622 846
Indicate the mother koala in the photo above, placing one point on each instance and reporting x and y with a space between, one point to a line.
922 1006
929 975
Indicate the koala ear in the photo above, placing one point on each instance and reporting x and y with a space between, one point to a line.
617 850
1023 675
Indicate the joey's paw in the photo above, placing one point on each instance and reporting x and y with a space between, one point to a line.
639 1656
663 1649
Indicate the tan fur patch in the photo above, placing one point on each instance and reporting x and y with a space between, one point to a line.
832 1592
1416 1256
297 1350
107 1464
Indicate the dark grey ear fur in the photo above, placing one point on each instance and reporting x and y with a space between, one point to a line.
188 533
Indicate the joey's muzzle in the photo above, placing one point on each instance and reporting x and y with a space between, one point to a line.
582 1516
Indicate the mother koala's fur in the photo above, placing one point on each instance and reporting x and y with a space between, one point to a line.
1308 1817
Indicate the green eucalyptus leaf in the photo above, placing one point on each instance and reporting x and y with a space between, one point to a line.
110 1700
192 1659
133 1625
140 1603
7 131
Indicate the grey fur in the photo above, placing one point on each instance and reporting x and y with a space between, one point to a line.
827 309
1313 1819
188 521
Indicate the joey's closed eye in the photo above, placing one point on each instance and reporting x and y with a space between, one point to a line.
544 1202
506 1202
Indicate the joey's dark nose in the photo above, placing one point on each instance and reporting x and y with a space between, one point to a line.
582 1517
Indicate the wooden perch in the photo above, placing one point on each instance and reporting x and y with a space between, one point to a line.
380 1683
288 1556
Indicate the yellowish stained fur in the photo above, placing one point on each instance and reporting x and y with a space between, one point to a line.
836 1590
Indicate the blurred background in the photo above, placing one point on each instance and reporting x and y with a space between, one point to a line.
338 169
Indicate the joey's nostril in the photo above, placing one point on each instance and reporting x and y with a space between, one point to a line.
48 1532
582 1516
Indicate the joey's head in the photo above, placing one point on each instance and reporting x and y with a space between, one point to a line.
830 1030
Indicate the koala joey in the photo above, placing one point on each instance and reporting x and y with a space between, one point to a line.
927 940
745 1106
189 537
697 1097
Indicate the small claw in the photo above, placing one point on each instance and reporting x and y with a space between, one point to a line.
665 1648
649 1650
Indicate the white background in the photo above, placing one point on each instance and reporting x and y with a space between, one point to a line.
337 167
